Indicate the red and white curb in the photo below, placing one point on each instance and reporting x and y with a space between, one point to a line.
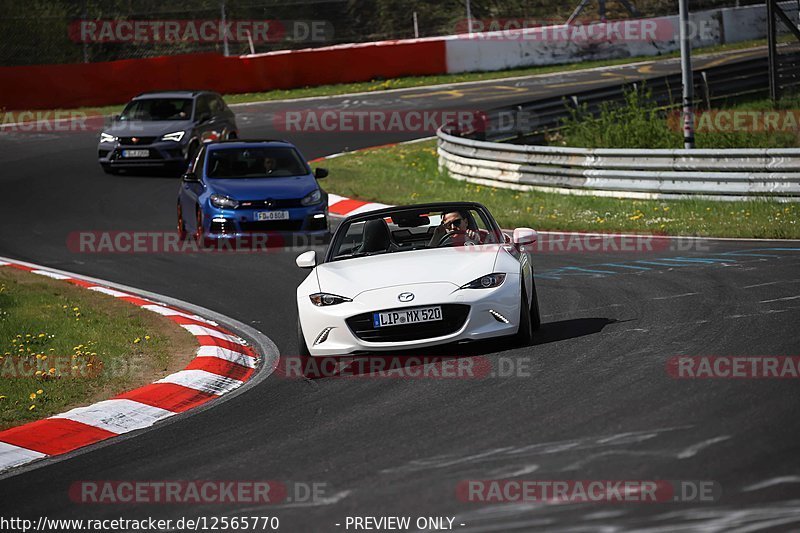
223 363
342 206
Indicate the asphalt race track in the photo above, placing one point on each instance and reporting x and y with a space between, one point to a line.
596 403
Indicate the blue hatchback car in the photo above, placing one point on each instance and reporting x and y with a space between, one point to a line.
236 189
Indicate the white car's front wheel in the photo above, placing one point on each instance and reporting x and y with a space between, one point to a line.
524 335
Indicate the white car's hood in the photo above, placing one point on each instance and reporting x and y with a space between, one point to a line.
456 265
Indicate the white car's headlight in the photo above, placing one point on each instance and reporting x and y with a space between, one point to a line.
107 138
312 198
176 136
322 299
223 202
486 282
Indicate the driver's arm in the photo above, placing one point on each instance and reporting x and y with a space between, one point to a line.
438 233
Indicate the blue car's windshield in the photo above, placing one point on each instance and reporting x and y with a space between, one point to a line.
158 109
274 162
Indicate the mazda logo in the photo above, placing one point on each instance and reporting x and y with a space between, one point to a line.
405 296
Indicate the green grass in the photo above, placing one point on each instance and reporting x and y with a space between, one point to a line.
422 81
640 124
409 173
95 345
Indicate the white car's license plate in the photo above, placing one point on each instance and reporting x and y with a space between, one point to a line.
272 215
407 316
136 153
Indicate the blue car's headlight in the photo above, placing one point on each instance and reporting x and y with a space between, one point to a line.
486 282
176 136
223 202
107 138
322 299
314 197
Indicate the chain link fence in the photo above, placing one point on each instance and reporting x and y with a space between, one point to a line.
83 31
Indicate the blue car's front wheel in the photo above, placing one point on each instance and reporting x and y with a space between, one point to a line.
181 224
198 226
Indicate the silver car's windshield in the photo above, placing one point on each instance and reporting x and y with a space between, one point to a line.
150 109
414 229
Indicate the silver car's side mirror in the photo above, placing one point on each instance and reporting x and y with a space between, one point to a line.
307 259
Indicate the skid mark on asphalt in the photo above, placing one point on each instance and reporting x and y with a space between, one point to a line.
509 472
694 449
785 298
771 283
565 517
675 296
315 502
513 453
722 259
772 482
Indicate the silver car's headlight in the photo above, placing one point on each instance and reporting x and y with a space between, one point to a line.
107 138
223 202
486 282
314 197
176 136
322 299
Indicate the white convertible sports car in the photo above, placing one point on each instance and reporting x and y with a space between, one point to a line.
417 276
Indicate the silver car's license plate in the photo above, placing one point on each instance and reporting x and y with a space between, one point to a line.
136 153
407 316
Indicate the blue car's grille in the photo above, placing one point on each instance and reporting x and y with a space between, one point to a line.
272 225
270 203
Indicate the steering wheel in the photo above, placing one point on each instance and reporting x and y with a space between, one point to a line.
452 236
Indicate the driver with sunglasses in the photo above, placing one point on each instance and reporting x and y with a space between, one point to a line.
455 225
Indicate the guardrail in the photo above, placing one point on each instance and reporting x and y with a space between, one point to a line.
513 161
729 174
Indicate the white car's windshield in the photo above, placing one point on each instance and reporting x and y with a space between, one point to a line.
414 229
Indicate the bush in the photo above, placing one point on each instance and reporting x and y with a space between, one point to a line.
640 123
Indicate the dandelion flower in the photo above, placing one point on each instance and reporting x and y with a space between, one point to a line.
31 408
32 396
40 391
137 340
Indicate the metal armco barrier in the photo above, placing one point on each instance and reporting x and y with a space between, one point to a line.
729 174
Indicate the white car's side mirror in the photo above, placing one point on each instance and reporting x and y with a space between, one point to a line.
523 236
307 259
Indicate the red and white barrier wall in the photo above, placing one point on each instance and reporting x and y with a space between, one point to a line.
114 82
95 84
